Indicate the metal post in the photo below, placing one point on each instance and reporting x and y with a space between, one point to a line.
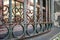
38 11
41 11
10 18
10 11
35 15
1 14
49 12
41 14
52 11
25 16
46 11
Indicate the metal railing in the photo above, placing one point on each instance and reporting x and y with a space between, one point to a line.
20 24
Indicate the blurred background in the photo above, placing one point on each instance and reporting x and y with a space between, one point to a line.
57 12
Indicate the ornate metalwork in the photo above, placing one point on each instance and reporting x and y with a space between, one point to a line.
22 22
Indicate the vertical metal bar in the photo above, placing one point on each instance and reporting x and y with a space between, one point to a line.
10 18
49 12
15 9
41 11
38 11
35 15
20 9
41 14
25 16
10 11
2 10
52 11
47 15
46 11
